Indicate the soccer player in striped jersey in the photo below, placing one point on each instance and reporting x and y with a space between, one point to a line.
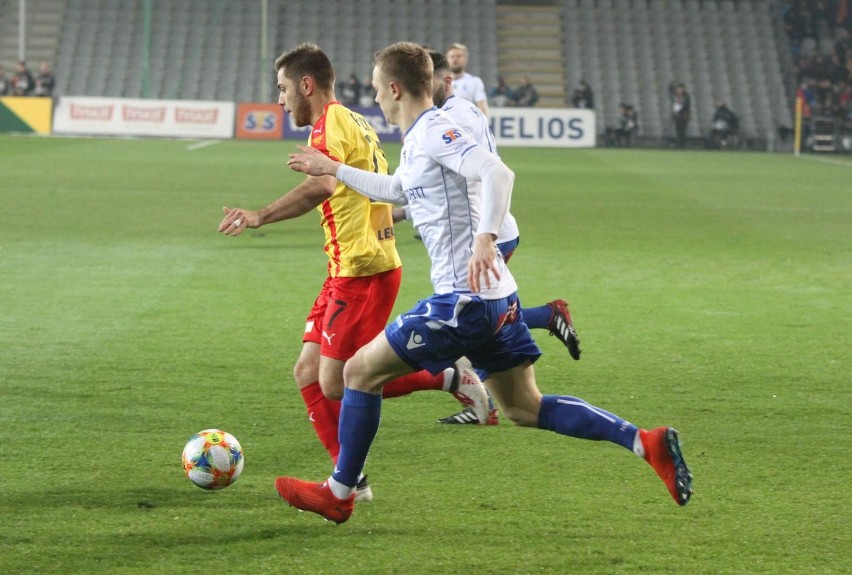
364 269
474 310
553 316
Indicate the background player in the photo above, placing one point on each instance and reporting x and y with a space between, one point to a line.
466 85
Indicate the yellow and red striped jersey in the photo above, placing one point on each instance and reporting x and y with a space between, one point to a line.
359 236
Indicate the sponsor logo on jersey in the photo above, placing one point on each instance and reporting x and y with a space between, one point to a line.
415 193
451 136
415 341
385 234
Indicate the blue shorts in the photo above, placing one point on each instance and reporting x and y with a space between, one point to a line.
443 328
508 248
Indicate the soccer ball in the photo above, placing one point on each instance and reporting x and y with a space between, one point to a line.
213 459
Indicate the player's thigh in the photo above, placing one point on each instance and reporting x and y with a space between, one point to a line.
517 394
357 310
374 365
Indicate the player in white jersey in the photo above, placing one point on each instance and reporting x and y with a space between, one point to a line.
474 310
466 85
553 316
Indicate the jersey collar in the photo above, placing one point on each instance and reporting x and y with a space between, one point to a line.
423 113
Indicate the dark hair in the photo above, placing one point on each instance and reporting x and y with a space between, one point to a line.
439 62
307 59
409 64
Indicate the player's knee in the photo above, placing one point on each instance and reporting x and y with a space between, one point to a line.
356 375
332 389
305 373
352 372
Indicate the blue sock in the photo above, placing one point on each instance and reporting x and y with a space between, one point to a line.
537 317
572 416
360 414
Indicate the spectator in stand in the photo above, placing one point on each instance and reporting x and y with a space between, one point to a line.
823 76
726 125
624 134
583 96
526 95
45 81
5 84
466 85
628 127
350 91
824 97
681 112
844 102
800 24
368 93
806 94
22 83
836 67
849 64
501 94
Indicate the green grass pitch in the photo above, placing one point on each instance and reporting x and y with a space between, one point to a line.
711 292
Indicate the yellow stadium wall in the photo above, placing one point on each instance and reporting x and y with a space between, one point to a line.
32 115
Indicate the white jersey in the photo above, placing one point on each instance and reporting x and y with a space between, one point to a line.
471 119
444 210
469 87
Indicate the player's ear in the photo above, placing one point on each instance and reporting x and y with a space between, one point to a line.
396 90
306 84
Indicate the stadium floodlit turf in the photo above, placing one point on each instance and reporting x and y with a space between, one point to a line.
711 292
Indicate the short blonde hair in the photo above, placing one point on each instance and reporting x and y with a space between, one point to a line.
409 64
457 46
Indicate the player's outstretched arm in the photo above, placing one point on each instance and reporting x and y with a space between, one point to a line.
379 187
297 202
312 162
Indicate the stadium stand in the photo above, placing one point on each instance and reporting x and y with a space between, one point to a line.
631 52
44 20
628 50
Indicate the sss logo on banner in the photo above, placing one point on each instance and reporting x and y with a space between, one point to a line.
260 122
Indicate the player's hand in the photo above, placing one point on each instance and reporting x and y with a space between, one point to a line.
312 162
398 214
236 220
483 263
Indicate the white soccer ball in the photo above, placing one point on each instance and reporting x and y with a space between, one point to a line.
213 459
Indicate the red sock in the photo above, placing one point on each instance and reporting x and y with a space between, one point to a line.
417 381
324 414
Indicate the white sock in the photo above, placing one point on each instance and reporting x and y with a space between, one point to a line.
449 373
338 489
638 448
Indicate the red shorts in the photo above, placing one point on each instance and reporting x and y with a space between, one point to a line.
349 312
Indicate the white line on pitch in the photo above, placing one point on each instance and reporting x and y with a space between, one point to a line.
828 161
199 145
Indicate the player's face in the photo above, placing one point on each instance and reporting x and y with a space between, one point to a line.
291 98
457 59
440 85
384 96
